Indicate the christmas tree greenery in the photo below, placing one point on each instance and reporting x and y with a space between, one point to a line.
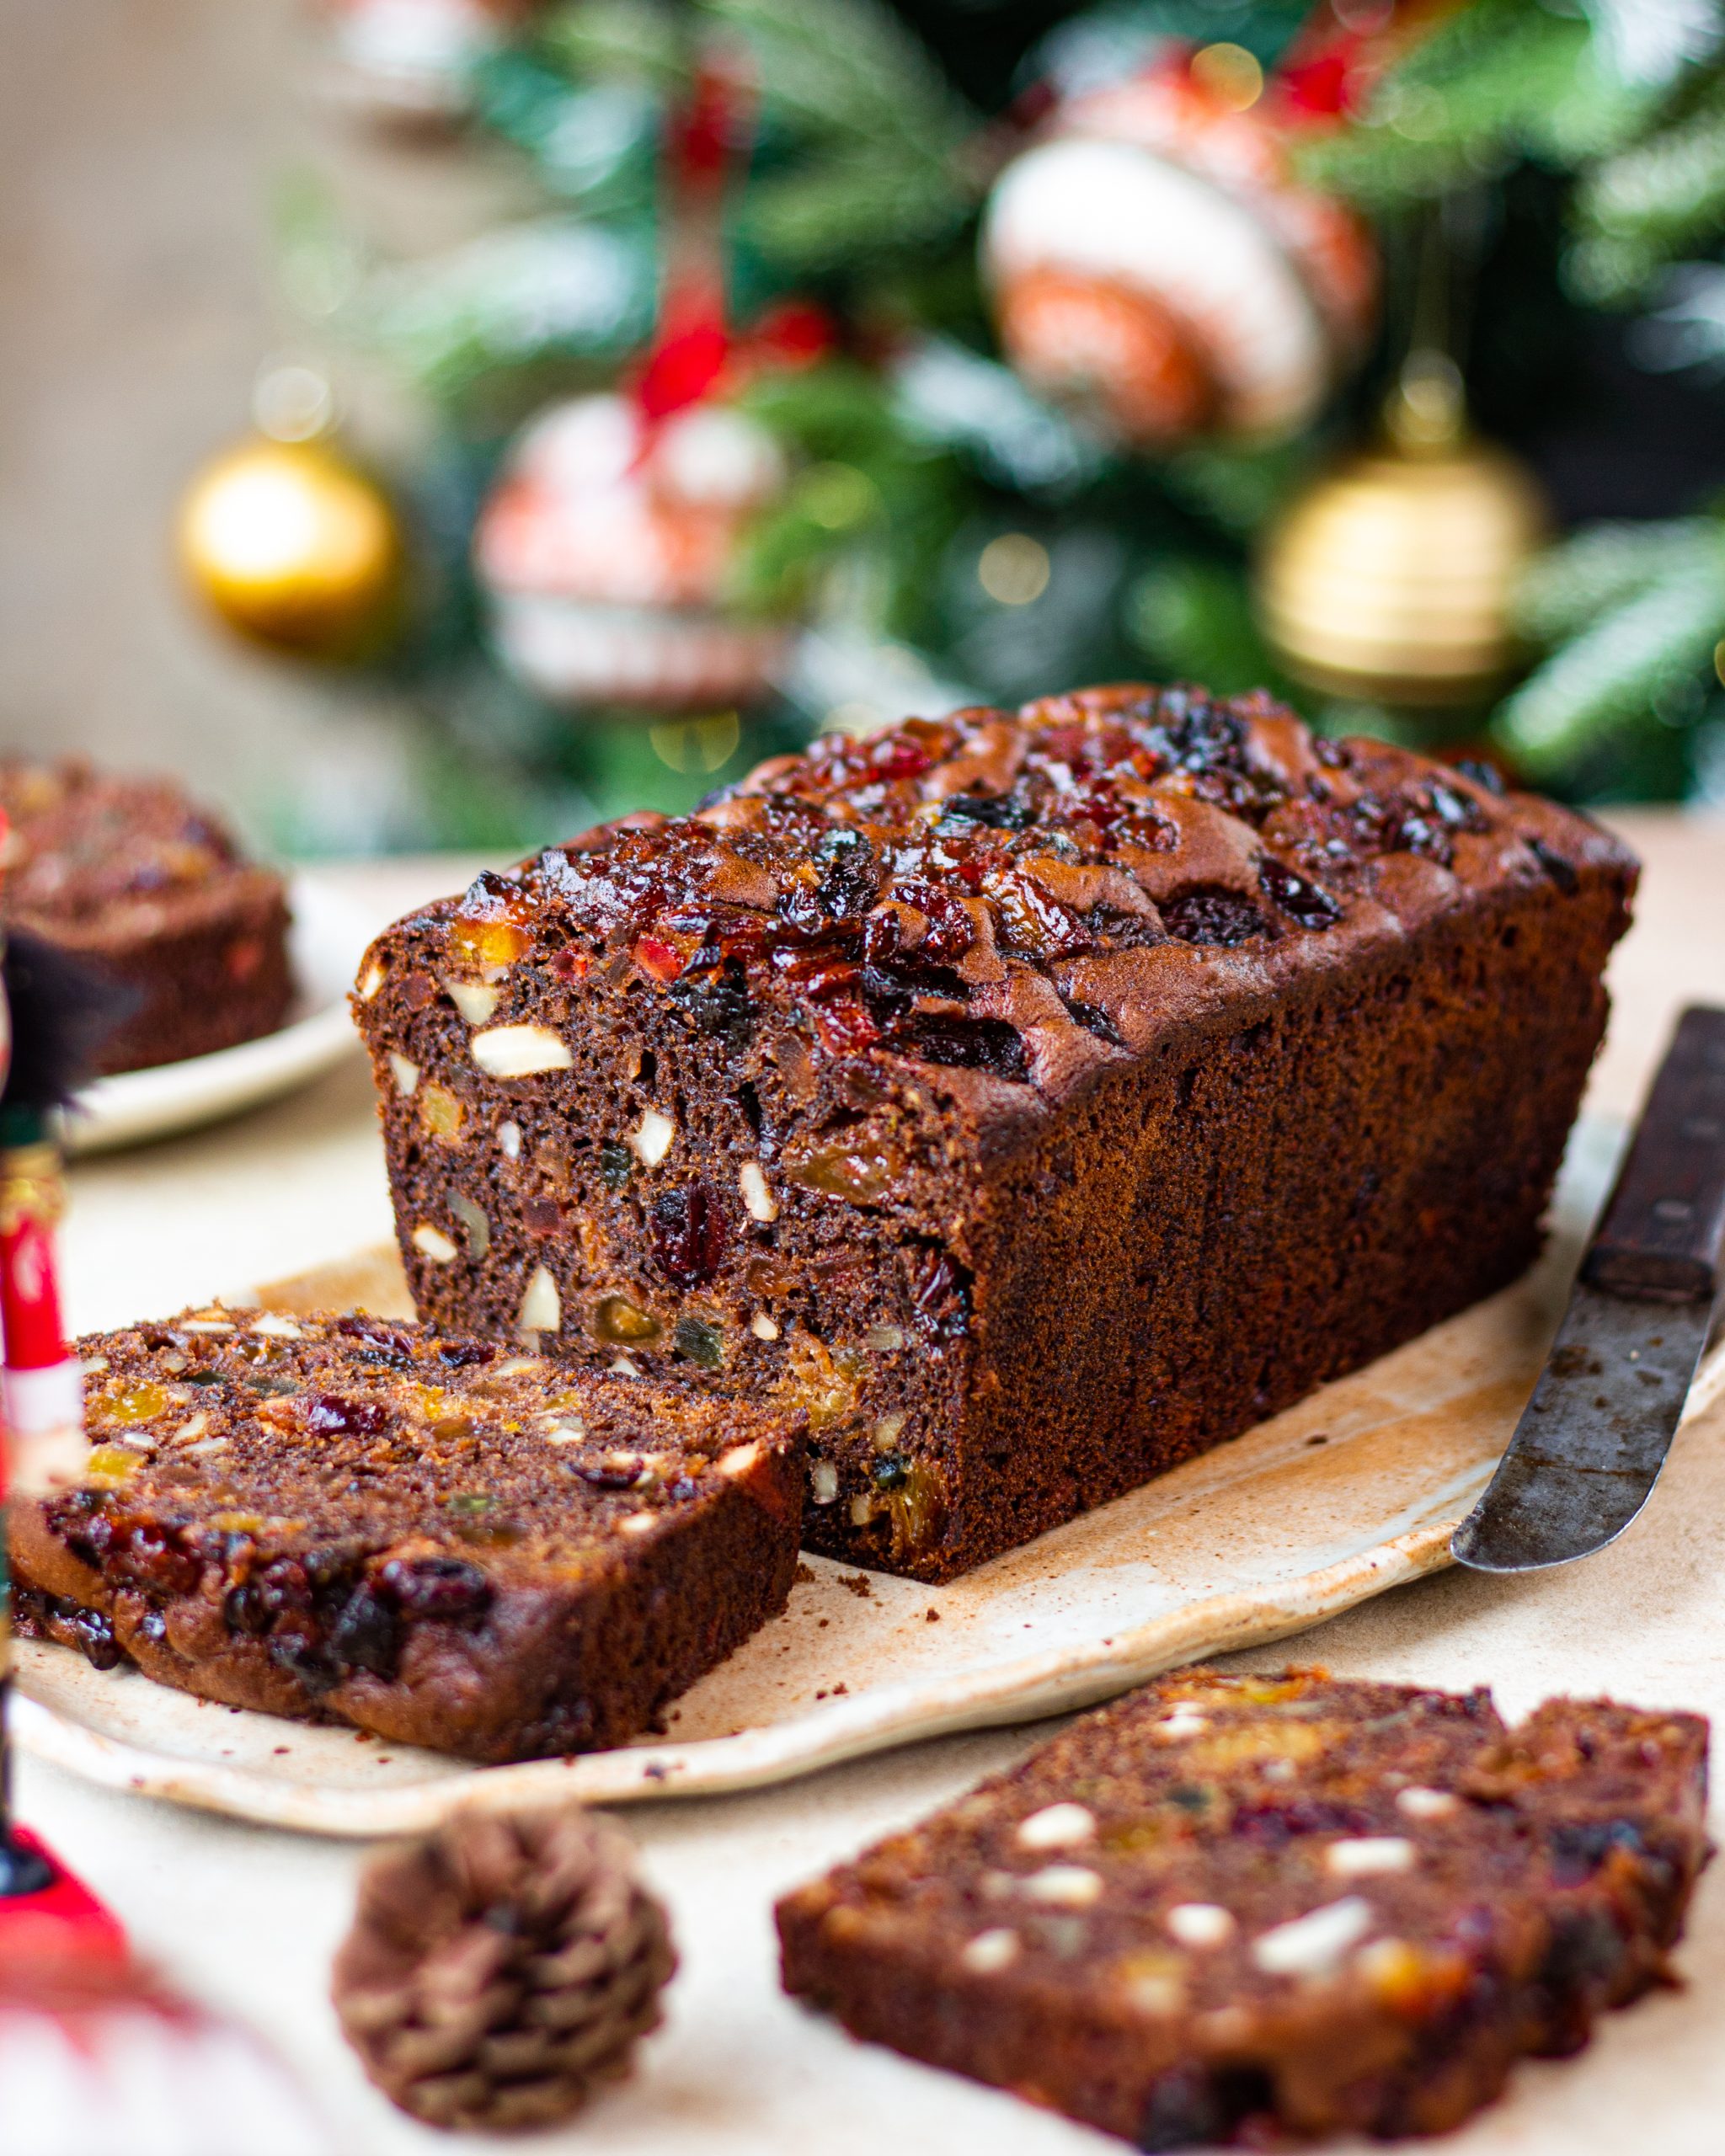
1587 140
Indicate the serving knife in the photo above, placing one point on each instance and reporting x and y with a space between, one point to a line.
1590 1444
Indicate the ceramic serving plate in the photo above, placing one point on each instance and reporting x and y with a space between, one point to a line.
1355 1491
326 941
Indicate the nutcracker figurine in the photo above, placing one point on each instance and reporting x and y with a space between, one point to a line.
53 1015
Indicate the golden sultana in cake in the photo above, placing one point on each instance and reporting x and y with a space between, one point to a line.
1030 1100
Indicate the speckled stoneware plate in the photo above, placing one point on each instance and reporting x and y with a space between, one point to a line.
325 942
1355 1491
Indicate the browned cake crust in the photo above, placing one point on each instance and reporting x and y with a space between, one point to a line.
139 880
1032 1100
443 1540
1237 1909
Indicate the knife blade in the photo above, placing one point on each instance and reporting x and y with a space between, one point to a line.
1591 1441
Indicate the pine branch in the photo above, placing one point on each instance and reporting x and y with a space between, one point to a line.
1194 621
1609 675
1238 487
595 143
1640 210
1577 582
874 508
1497 81
510 299
850 206
861 157
881 133
635 40
848 69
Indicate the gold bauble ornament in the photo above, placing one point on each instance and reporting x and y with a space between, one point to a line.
294 548
1389 579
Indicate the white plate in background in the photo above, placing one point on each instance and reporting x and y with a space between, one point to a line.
325 942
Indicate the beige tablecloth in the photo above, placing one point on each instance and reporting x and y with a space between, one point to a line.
250 1917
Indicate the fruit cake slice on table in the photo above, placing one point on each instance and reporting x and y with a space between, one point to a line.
442 1539
1031 1100
1237 1908
139 880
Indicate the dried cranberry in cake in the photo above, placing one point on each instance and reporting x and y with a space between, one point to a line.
1243 1909
481 1551
142 883
1207 1060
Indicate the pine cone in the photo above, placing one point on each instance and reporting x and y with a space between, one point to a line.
498 1969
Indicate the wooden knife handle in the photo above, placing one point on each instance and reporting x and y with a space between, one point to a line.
1664 1228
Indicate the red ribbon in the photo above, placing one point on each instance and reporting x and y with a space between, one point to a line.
1335 61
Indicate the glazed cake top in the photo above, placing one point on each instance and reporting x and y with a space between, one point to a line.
85 849
1023 893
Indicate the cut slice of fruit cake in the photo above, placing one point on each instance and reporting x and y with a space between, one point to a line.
1240 1908
441 1539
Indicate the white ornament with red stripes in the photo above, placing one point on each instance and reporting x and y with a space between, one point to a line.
1154 260
608 553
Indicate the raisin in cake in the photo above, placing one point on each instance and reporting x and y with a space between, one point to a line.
1241 1908
140 881
1030 1100
436 1539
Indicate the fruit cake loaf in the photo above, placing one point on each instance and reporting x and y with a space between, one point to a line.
1241 1907
134 877
436 1539
1031 1100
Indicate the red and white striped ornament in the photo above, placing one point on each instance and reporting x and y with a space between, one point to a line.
609 549
1154 260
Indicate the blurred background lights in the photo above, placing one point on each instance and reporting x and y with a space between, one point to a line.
855 717
292 403
1229 76
697 745
1013 569
258 518
836 496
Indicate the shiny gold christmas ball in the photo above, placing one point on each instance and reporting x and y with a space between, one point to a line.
1389 579
295 548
